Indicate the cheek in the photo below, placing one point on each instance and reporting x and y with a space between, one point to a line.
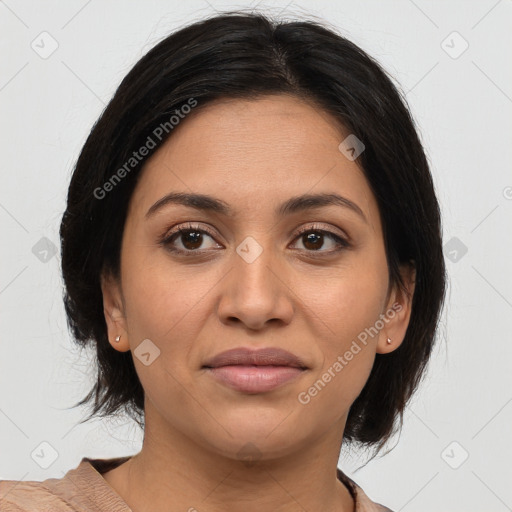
345 307
348 301
162 298
167 308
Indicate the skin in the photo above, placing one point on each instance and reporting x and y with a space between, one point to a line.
254 155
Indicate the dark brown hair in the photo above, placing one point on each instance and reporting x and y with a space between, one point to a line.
241 55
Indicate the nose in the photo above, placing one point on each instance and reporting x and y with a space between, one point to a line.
256 293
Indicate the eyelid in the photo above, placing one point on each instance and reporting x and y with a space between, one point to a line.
187 226
199 226
169 233
324 228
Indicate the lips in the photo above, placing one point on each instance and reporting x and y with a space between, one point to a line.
255 371
255 357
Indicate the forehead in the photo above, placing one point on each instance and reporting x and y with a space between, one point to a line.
254 154
271 125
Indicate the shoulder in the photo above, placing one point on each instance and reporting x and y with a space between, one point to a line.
80 489
25 496
362 502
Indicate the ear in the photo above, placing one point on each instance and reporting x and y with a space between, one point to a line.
113 309
398 311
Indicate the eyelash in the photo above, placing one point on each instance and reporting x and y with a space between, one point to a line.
167 238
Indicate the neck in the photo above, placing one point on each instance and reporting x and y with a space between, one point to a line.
174 473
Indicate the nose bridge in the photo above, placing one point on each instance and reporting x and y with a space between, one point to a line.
253 264
255 291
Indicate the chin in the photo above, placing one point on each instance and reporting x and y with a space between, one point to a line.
249 437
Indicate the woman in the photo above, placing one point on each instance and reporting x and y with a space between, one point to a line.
252 244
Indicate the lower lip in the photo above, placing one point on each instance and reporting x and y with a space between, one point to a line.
255 379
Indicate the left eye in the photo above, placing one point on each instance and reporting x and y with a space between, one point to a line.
192 238
313 239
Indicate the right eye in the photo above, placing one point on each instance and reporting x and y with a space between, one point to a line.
191 237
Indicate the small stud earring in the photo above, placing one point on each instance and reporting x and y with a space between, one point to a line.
118 338
389 341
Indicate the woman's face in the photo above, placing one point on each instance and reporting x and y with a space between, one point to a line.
250 279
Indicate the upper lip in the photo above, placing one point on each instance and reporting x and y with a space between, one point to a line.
259 357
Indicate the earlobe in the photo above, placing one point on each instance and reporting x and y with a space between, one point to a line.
398 312
114 314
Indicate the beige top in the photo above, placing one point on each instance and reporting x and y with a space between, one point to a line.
83 489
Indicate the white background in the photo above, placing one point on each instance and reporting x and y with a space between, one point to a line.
463 108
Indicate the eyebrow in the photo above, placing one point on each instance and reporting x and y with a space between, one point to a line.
295 204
